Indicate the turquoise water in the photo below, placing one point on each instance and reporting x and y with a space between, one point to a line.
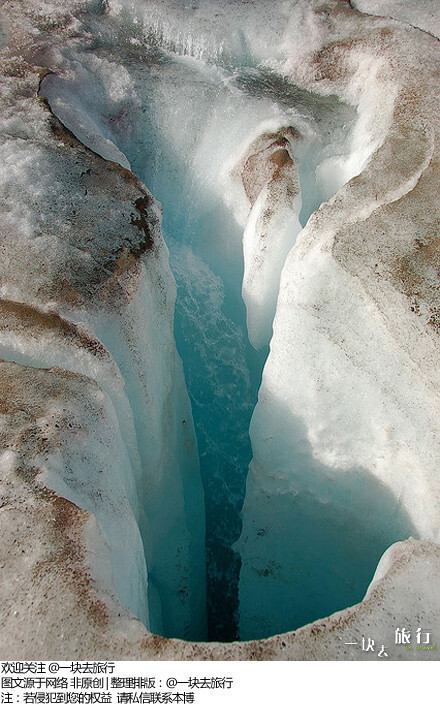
223 374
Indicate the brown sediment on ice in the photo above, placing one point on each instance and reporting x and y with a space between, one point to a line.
80 251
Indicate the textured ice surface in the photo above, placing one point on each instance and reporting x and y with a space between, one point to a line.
335 429
425 16
86 287
292 146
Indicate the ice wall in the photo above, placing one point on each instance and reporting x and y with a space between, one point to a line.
343 460
86 287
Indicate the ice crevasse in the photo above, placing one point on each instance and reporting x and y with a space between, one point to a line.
293 147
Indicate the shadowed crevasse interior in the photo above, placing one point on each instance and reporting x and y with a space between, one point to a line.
182 127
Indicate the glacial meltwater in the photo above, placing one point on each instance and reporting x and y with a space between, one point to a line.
184 114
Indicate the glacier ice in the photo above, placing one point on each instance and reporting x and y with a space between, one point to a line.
292 146
86 301
217 190
334 430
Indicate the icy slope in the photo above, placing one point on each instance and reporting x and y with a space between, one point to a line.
86 287
345 430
